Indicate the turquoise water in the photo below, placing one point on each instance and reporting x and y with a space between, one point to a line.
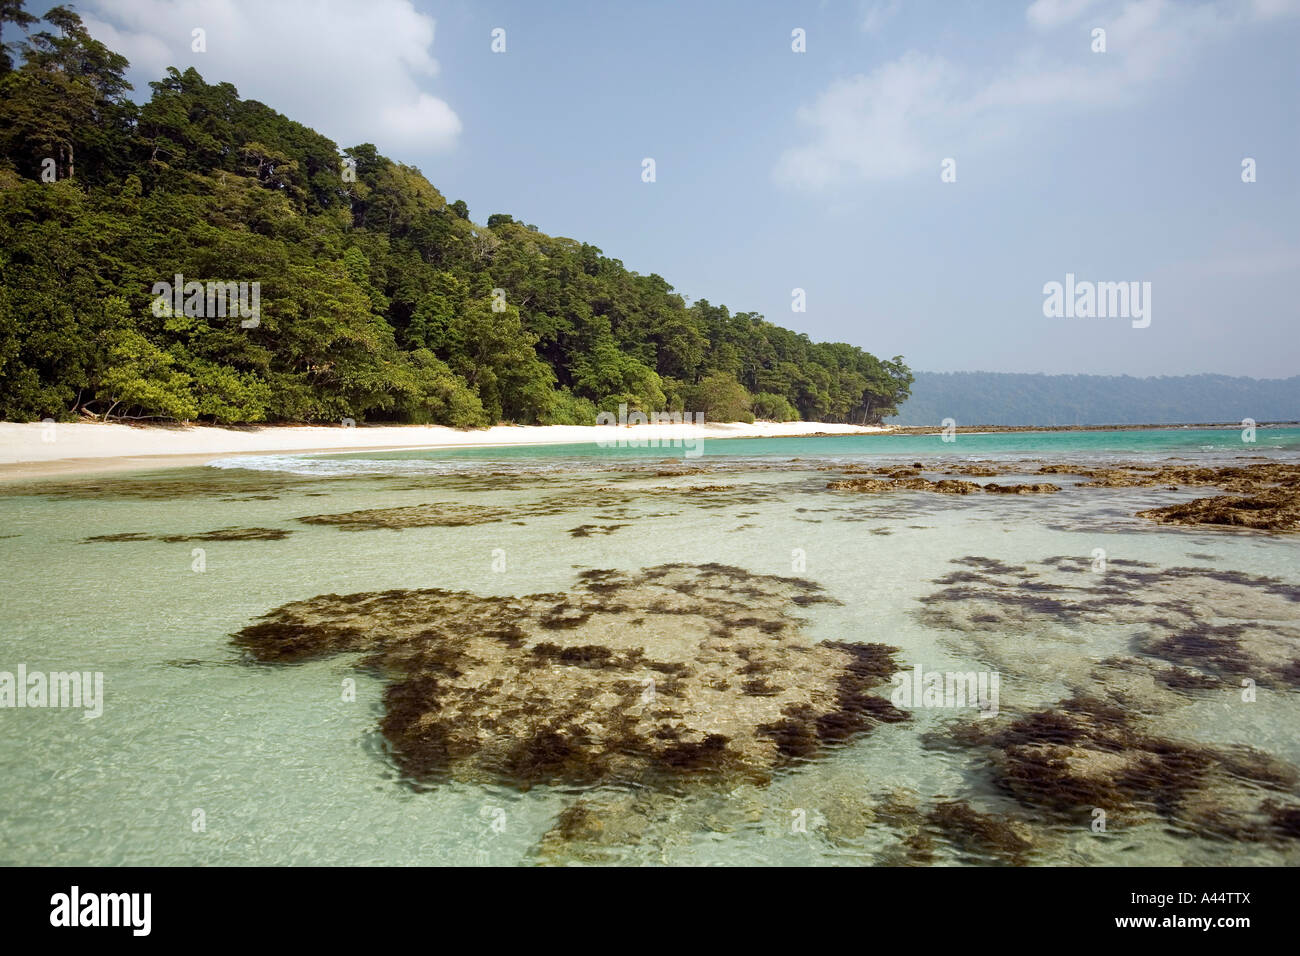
1126 444
205 756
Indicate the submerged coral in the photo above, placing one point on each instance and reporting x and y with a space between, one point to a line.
979 836
1191 634
413 516
1085 754
587 530
1211 624
222 484
221 534
651 676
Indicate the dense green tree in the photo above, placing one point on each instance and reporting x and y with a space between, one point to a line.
11 11
66 104
378 299
721 398
142 377
773 407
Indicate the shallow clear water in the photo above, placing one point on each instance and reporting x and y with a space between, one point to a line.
279 768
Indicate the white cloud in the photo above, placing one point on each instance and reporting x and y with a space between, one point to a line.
355 71
1268 9
908 114
875 14
1053 13
879 126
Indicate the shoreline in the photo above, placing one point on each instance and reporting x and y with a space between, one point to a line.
37 450
31 450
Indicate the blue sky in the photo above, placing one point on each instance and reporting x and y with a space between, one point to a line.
821 170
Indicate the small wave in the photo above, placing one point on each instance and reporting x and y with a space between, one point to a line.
312 467
780 456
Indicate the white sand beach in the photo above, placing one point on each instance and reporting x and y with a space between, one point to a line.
35 449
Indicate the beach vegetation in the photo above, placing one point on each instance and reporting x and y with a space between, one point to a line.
380 301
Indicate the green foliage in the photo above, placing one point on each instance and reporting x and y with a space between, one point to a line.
11 11
142 376
772 407
611 377
433 394
721 398
377 297
569 409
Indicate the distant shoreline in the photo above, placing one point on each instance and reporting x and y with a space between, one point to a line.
84 448
35 450
969 429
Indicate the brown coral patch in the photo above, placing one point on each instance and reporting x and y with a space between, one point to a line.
1241 478
587 530
1214 625
979 837
945 486
1273 510
1042 488
411 516
223 484
628 677
1265 496
222 534
904 479
1087 754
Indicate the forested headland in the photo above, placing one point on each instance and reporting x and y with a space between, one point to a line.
377 299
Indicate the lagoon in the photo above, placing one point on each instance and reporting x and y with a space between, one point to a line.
208 754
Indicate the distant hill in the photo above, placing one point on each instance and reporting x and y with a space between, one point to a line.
1002 398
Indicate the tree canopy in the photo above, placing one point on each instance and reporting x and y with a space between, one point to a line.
379 299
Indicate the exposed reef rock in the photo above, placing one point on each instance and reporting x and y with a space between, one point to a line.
1042 488
1266 495
674 671
876 485
1239 479
1277 510
1263 496
944 486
